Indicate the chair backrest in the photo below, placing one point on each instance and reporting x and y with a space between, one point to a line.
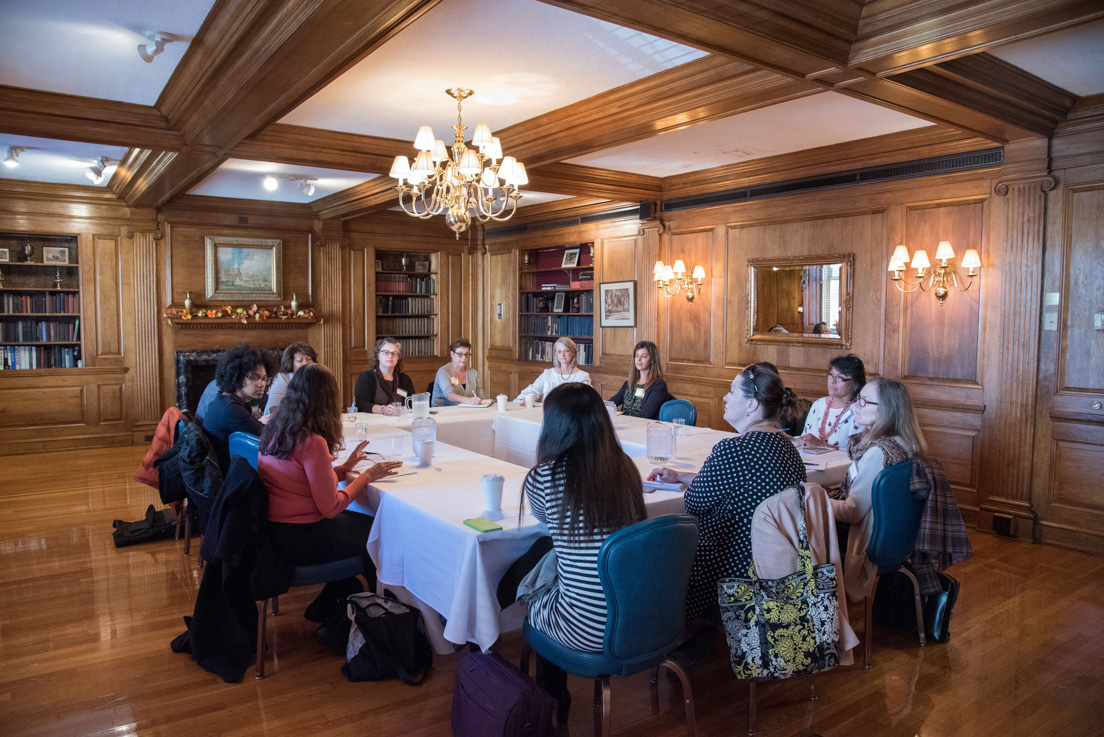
181 424
895 517
245 445
644 570
678 408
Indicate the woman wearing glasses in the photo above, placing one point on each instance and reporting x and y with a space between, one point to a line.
455 382
831 420
296 356
241 377
565 370
385 383
892 435
738 475
305 506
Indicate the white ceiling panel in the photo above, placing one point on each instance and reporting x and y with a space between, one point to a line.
819 120
241 179
59 162
523 58
90 47
1072 59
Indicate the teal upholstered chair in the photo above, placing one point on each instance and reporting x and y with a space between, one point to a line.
677 408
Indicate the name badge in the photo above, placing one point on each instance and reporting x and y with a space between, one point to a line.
401 393
640 392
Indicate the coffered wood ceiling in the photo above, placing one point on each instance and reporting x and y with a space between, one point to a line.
255 64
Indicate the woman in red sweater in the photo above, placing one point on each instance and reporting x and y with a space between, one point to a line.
307 510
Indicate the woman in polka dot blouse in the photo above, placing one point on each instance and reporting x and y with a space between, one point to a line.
739 474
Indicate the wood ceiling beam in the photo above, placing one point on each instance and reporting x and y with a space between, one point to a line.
771 39
252 63
362 199
706 89
588 181
71 118
302 146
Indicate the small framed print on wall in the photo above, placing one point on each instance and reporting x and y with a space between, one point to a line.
617 304
4 256
570 258
558 302
55 255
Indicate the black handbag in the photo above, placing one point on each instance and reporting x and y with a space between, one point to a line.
894 604
387 640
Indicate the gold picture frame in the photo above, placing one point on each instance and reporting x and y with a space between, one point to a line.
244 269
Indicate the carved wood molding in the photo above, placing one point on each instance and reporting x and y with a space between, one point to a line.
1043 182
226 323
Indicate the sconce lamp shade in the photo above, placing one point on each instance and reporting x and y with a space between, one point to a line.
971 260
424 140
920 260
679 267
658 268
899 259
699 273
668 273
944 251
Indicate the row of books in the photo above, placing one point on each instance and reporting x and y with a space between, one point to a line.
405 305
54 302
569 302
32 357
404 325
46 331
543 351
557 325
393 283
416 346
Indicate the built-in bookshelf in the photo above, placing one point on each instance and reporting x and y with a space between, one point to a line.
556 299
40 302
406 300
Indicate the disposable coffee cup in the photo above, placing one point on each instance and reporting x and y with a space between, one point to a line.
530 401
423 449
492 493
501 399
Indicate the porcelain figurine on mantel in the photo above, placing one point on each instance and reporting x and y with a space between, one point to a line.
294 304
187 301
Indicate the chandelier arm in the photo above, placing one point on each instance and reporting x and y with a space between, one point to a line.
915 286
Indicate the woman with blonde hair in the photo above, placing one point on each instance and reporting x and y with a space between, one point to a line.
893 435
565 370
645 391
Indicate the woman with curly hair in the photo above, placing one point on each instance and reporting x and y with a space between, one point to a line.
310 524
384 383
242 376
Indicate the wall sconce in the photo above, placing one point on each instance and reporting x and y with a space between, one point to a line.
673 279
939 279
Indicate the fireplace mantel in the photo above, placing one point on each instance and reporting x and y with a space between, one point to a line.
226 323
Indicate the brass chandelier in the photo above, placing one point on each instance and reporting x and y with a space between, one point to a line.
459 182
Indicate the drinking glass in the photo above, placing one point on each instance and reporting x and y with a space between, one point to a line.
661 442
362 430
680 426
612 409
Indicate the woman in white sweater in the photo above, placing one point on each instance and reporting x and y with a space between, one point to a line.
565 370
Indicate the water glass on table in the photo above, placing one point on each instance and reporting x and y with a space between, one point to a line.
611 408
660 442
362 430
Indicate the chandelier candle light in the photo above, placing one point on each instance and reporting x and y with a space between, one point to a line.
460 182
673 279
939 279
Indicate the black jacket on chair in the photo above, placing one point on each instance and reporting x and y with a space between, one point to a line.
242 567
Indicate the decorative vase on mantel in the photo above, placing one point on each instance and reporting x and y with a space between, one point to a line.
294 305
187 301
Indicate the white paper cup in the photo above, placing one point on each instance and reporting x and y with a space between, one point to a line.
530 401
501 399
492 492
423 449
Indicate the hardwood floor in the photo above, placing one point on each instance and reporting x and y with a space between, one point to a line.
85 631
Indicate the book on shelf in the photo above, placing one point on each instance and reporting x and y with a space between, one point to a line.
17 357
401 283
533 349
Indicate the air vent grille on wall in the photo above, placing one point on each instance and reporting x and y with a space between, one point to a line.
631 212
983 159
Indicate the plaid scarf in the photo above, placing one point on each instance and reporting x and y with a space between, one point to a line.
942 540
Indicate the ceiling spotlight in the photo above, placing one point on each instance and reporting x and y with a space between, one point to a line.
271 183
155 46
306 186
13 156
96 171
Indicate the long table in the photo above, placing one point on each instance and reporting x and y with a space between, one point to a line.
421 547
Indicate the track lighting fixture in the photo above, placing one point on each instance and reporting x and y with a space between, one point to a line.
155 46
304 184
95 172
13 156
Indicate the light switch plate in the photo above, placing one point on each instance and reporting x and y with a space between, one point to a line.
1050 321
1051 298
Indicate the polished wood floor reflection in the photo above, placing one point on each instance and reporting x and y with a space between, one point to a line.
85 631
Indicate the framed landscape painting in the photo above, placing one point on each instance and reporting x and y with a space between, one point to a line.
244 269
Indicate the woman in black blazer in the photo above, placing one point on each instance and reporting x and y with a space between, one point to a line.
385 382
645 391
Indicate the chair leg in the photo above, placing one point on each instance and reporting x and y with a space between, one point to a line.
187 528
751 707
525 653
178 509
606 717
868 615
262 619
919 604
655 675
597 692
275 605
812 687
687 694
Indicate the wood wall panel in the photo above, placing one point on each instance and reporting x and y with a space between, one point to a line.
1083 354
109 326
25 407
957 451
147 319
112 403
502 286
617 260
942 341
1078 469
362 303
688 328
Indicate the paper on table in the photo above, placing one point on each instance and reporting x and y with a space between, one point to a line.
481 405
815 463
664 486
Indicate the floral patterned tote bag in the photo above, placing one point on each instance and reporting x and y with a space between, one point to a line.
783 627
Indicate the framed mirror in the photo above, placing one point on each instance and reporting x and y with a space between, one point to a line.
800 300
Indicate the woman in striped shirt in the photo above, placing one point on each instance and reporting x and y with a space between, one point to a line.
584 488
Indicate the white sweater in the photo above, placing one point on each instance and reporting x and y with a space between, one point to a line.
551 379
